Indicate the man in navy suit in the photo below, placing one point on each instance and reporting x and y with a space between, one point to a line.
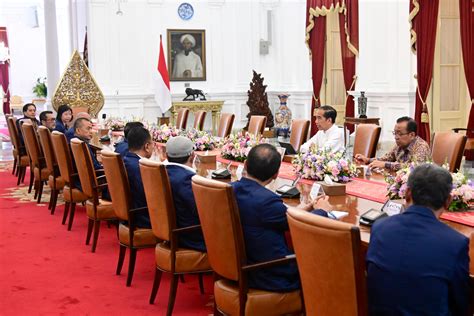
417 265
122 147
179 152
83 130
70 133
264 221
140 146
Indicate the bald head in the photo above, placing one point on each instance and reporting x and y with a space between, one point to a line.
79 115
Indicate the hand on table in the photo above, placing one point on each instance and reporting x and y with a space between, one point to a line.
377 164
322 203
361 158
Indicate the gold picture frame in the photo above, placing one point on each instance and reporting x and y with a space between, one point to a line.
186 54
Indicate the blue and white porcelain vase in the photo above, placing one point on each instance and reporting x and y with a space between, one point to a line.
283 117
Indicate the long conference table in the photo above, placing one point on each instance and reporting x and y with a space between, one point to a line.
354 205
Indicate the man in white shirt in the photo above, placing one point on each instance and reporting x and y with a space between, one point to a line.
329 135
187 64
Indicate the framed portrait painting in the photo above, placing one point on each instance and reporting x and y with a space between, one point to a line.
187 55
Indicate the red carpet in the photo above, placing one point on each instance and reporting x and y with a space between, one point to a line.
46 270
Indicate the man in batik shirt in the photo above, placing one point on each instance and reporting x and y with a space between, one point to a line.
409 148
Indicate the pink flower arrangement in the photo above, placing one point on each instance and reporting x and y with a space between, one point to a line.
114 124
237 146
316 163
462 192
202 140
163 133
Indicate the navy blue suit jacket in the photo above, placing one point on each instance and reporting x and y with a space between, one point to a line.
417 265
69 134
60 127
122 148
264 222
185 206
136 188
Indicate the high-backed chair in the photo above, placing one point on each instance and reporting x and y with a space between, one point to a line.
21 159
199 118
299 133
55 181
38 164
130 236
366 140
257 125
469 147
448 147
225 125
16 103
97 209
169 256
331 264
182 118
220 221
71 193
79 109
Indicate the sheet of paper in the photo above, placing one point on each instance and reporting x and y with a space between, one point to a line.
338 214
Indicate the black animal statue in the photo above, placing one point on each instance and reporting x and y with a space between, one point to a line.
194 94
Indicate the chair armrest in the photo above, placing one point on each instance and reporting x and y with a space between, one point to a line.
271 263
102 185
100 170
457 129
138 210
186 229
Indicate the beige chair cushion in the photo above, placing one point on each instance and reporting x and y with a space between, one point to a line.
77 195
142 237
105 210
259 302
187 260
59 182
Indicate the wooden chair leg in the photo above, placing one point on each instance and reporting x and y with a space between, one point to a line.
20 174
172 297
14 166
123 249
32 178
55 201
90 226
181 278
66 212
156 285
36 187
23 175
201 283
71 216
131 265
51 198
18 169
40 191
96 234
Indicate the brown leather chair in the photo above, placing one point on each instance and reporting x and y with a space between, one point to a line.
55 181
220 221
225 125
38 163
21 159
199 118
169 256
182 118
71 193
299 133
331 264
97 209
130 236
366 140
469 147
448 147
257 125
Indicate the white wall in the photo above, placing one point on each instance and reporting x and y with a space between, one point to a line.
27 42
124 52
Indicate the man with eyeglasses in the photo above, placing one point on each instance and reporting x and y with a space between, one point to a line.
409 147
48 120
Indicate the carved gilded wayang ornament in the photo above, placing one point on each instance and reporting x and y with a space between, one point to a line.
77 88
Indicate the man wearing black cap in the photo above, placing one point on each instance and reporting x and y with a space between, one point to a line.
179 152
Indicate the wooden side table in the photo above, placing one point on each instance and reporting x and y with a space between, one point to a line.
215 107
355 121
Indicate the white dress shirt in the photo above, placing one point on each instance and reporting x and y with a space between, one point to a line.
333 139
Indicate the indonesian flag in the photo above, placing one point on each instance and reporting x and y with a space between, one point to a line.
163 93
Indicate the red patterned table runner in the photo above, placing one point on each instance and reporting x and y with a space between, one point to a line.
366 189
466 218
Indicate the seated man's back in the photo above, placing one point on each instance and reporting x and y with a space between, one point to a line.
417 265
179 152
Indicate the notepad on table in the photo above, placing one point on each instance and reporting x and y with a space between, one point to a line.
337 214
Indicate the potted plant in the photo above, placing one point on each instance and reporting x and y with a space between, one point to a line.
40 89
